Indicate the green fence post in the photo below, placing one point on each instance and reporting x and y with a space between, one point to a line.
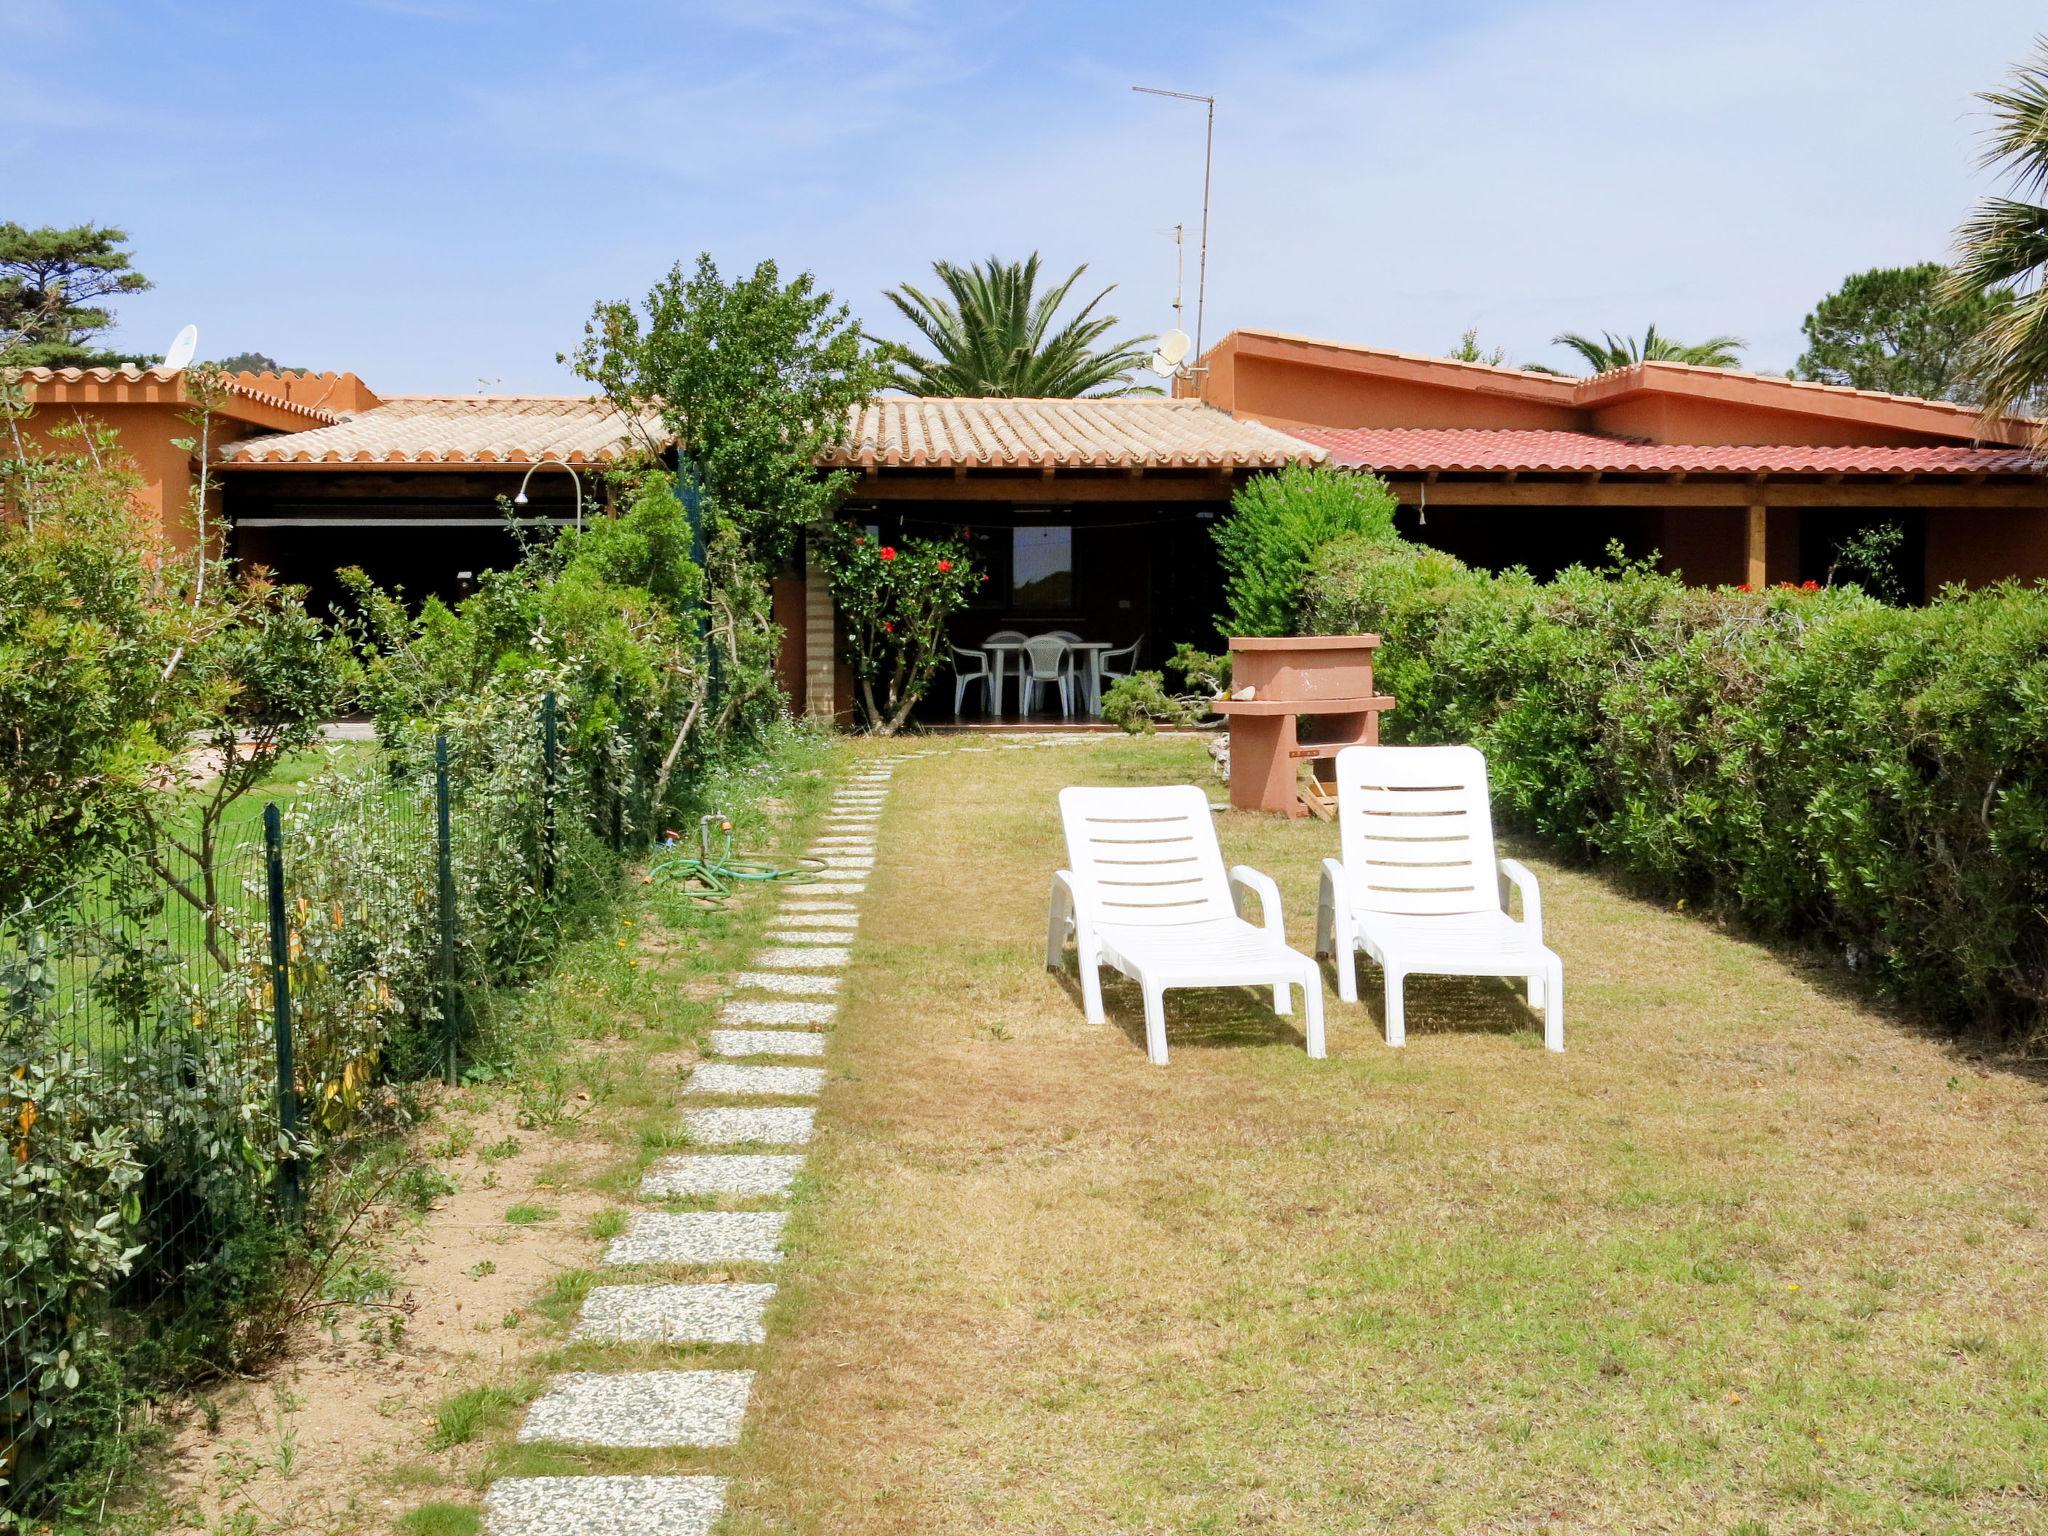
281 997
547 794
444 859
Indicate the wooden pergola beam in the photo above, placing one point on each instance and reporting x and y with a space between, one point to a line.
1814 492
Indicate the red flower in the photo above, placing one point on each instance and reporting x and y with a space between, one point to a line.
945 565
888 628
888 552
1743 588
1809 586
984 576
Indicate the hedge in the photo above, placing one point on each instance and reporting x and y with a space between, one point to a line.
1814 762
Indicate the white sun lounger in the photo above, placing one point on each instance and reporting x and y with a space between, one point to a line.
1147 894
1419 889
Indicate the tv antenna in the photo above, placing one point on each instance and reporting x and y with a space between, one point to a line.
1208 160
184 347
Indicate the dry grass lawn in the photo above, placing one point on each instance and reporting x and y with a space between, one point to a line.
1752 1257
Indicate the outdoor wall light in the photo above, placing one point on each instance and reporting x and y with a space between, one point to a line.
520 499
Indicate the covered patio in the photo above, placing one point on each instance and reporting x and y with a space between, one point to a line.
1090 518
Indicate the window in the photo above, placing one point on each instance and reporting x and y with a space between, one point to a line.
1042 569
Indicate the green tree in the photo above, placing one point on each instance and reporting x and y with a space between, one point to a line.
1468 351
1612 351
1893 329
250 362
753 379
993 334
52 286
2004 244
119 653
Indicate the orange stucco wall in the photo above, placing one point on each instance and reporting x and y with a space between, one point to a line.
1719 423
1283 393
147 436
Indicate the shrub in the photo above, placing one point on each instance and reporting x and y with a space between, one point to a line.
1140 703
1276 524
896 598
1814 761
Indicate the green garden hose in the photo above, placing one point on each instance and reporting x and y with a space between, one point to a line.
709 880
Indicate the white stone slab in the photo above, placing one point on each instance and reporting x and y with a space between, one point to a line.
852 841
780 1015
804 936
604 1506
795 919
838 887
675 1314
798 959
794 986
806 904
832 858
699 1237
641 1408
767 1042
773 1082
720 1173
786 1127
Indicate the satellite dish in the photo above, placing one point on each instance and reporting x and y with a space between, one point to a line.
1162 367
1173 346
184 347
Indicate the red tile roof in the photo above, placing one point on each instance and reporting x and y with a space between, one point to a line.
459 429
107 384
1414 450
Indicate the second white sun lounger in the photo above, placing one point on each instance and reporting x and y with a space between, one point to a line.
1419 888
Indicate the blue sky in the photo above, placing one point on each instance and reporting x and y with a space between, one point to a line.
434 192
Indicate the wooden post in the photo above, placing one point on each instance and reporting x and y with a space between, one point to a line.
1756 567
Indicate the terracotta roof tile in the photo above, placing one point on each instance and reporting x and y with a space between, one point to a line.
456 429
1063 434
165 376
1414 450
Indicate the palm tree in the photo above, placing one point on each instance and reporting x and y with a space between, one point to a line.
1612 351
995 336
2005 242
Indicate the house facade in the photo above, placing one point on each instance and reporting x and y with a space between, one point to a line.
1728 477
1090 516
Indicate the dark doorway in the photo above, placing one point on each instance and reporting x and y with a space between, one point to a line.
1883 552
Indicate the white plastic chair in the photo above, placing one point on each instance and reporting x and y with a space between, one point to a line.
1146 894
1419 889
1121 662
970 667
1045 665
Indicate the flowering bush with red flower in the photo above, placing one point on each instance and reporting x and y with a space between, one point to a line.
895 600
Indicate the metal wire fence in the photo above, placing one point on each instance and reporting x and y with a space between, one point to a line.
179 1042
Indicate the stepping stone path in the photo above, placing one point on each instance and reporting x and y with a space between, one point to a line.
783 1006
675 1314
